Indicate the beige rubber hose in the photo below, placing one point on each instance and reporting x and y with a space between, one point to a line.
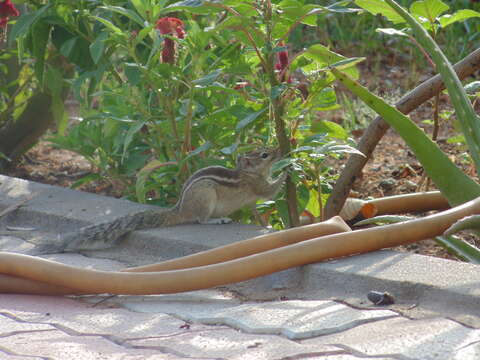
306 252
236 250
416 202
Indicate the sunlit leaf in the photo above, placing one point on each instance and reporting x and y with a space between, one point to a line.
429 9
380 7
460 15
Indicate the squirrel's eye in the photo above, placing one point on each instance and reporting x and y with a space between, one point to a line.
264 155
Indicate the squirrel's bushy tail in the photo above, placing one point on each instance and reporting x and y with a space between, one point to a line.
105 234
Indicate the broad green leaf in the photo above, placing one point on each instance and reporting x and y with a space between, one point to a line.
384 219
323 57
294 10
249 119
380 7
68 47
142 6
313 205
129 136
108 24
348 63
195 6
429 9
143 174
133 73
132 15
282 164
473 87
24 22
229 150
467 223
460 248
204 147
325 99
40 35
97 47
207 79
86 179
333 129
339 7
452 182
460 15
143 33
332 148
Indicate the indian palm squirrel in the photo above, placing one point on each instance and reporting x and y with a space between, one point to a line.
208 196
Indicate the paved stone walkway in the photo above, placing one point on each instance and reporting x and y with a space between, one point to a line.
314 312
42 327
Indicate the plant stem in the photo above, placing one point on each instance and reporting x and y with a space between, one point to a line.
277 112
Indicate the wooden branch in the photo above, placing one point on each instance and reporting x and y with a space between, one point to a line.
378 127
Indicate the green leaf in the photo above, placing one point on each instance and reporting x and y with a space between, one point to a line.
325 99
313 205
460 15
380 7
204 147
68 47
332 148
473 87
97 47
282 164
229 150
429 9
74 47
460 248
24 22
384 219
194 6
141 6
40 35
108 25
294 10
339 7
333 129
86 179
132 15
132 131
323 57
453 183
249 119
133 73
207 79
467 223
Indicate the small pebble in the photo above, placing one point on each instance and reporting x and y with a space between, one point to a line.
380 298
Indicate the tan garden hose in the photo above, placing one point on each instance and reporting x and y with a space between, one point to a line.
416 202
220 254
330 246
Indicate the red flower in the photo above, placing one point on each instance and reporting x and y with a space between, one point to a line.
8 9
283 57
169 26
282 64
